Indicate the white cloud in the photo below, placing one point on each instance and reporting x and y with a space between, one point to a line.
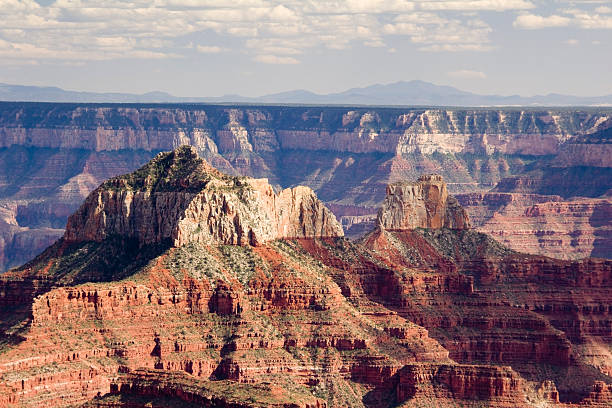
457 48
466 5
208 49
586 20
603 9
375 43
534 22
575 17
440 34
276 60
467 74
108 29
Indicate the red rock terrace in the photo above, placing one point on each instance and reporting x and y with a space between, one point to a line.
177 285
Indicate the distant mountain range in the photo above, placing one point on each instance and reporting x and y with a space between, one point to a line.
398 93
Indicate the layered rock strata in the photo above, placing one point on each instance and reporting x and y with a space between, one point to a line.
257 129
544 225
205 206
53 155
178 321
529 312
153 311
424 204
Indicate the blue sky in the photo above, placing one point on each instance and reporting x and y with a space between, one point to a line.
255 47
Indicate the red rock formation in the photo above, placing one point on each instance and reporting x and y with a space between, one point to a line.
499 386
524 310
543 225
600 396
197 320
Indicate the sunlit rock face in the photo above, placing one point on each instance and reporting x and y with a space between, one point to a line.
421 204
180 197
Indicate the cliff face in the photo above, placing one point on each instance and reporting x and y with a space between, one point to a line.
424 204
522 310
359 130
18 244
53 155
181 198
544 225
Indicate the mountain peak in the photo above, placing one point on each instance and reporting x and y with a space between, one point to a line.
180 198
179 170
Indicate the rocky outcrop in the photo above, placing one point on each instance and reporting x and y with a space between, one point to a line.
179 197
181 389
424 204
500 386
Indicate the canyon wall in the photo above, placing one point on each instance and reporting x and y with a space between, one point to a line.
53 155
259 129
544 224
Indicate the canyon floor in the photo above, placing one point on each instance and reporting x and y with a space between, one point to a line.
178 285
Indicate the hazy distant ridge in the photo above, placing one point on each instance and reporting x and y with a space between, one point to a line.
399 93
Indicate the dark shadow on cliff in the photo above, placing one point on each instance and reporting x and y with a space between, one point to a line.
14 324
577 181
383 395
113 259
602 217
335 176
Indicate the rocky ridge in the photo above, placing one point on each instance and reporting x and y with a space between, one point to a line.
257 129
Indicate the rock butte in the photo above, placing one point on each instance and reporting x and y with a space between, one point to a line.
181 198
166 290
53 155
424 204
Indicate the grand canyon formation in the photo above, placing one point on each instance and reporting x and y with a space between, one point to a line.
538 180
179 285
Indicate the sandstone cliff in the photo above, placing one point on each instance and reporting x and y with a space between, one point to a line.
181 198
424 204
257 129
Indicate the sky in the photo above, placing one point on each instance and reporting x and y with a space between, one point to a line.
257 47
